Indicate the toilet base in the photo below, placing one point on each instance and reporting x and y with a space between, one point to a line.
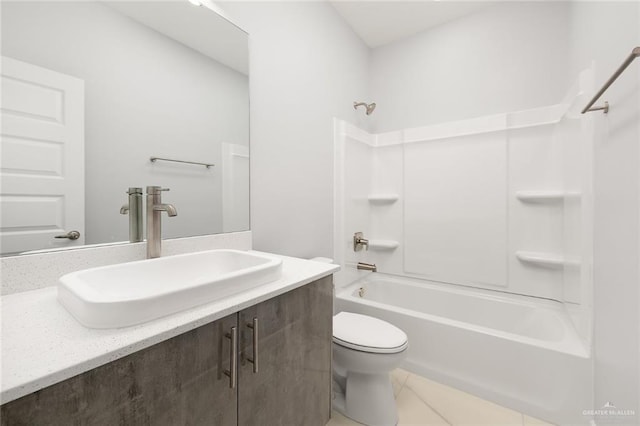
367 399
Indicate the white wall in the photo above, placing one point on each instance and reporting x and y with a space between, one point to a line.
605 32
146 95
505 58
306 66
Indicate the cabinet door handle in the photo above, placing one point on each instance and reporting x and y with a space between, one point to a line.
254 327
232 373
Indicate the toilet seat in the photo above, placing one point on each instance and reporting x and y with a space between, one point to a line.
367 334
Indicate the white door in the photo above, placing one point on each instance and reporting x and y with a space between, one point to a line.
41 158
235 187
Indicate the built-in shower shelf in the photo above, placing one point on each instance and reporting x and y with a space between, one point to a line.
545 196
383 245
549 260
383 198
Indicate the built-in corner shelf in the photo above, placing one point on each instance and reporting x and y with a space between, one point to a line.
545 196
383 198
548 260
383 245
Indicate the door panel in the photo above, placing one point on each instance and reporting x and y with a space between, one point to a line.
42 162
293 382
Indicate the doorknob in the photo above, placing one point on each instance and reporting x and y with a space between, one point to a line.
72 235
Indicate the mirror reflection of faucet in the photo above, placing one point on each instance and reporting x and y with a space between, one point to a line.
134 208
154 229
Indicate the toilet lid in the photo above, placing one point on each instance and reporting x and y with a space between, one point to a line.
367 334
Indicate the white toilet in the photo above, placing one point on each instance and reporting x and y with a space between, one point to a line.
365 350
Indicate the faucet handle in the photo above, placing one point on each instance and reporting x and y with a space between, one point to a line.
359 241
155 190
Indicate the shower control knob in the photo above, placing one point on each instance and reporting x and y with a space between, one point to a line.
359 241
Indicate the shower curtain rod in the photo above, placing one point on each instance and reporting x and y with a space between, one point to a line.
634 54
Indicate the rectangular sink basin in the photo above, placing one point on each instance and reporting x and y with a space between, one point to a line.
132 293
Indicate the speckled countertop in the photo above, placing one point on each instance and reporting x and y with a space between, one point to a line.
42 344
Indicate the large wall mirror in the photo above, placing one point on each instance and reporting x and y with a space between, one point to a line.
91 91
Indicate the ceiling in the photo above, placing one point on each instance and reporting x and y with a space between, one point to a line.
383 22
196 27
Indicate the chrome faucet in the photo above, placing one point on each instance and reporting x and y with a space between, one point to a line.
367 266
134 208
154 229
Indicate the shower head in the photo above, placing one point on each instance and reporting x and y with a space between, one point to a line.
369 107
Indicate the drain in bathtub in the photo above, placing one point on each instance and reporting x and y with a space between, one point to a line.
361 292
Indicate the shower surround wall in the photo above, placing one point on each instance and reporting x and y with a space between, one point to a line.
499 202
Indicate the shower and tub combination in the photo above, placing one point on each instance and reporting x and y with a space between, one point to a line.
480 233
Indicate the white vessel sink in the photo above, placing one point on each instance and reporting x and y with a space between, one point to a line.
132 293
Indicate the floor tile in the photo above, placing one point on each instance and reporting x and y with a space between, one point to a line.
412 411
424 402
460 408
398 379
338 419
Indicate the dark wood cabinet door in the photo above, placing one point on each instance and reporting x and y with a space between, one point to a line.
177 382
293 384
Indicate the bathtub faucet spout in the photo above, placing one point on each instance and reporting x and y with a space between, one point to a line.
367 266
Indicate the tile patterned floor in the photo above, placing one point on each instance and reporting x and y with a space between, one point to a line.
425 402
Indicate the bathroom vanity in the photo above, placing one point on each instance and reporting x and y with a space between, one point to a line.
259 357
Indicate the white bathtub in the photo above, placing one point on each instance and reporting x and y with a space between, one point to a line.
518 351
